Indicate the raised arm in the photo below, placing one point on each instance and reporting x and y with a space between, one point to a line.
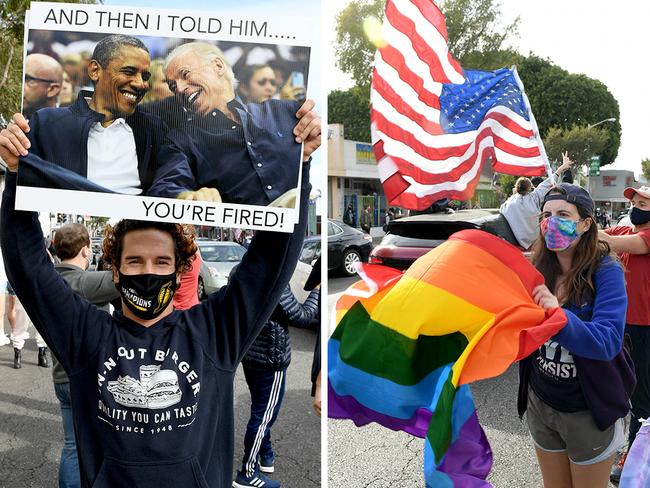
540 192
300 314
20 140
14 142
237 312
308 128
56 311
633 243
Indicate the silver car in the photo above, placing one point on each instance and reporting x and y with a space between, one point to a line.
219 258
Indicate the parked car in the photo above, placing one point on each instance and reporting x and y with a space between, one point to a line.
308 256
411 237
346 246
219 258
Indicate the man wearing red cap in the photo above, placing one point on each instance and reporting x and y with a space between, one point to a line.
632 244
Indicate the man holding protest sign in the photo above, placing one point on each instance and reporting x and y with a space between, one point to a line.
151 387
242 153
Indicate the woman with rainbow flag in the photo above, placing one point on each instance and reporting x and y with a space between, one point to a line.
576 387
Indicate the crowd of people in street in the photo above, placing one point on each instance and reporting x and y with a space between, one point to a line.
585 392
12 313
264 365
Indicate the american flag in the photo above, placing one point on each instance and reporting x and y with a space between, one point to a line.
435 124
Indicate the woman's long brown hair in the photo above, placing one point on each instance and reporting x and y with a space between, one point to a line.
578 285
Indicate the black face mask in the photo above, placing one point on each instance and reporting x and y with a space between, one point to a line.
147 295
638 216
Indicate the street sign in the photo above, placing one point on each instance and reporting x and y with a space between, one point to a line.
594 168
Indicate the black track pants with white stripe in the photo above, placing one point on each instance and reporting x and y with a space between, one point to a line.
267 390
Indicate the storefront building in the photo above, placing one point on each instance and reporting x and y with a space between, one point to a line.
607 190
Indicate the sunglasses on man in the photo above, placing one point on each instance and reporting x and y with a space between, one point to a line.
34 79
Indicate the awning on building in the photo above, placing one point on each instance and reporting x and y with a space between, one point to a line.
613 200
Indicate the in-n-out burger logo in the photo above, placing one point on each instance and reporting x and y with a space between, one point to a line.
148 371
151 399
155 389
135 299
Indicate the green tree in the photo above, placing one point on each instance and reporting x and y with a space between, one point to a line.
645 169
558 98
12 15
561 99
490 61
476 37
580 142
507 183
352 109
353 51
474 26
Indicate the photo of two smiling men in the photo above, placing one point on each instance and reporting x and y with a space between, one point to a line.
181 97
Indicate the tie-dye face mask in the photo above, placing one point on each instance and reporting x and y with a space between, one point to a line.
559 233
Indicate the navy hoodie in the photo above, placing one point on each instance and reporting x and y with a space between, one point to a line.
153 407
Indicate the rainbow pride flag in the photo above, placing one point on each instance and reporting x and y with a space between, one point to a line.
406 347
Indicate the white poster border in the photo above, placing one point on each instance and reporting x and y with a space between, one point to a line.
156 209
278 30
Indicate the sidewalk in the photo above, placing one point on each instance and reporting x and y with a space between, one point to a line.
31 436
377 233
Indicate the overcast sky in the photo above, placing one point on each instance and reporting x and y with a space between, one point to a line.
604 40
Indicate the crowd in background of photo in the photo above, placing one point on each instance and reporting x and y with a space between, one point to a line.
263 71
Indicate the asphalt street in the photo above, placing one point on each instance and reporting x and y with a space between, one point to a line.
31 436
375 457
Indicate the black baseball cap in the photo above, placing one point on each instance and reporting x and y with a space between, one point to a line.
571 193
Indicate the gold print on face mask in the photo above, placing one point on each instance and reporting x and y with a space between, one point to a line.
164 296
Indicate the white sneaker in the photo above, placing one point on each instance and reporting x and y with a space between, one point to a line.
4 340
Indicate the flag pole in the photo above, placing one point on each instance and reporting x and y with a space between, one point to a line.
533 122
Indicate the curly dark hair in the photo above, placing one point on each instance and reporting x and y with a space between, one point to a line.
183 235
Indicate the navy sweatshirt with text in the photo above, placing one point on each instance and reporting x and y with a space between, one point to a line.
153 407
